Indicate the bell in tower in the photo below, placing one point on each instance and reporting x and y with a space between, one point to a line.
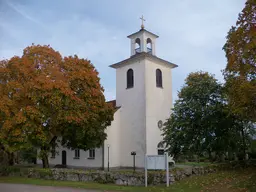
143 41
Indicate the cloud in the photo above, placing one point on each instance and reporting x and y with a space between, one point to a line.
192 33
20 9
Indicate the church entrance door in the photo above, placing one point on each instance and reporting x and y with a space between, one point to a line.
64 158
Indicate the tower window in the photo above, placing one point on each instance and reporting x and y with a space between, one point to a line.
130 80
149 46
137 46
159 81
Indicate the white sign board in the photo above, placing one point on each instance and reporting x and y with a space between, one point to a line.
156 162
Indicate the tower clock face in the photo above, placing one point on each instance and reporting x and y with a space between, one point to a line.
160 124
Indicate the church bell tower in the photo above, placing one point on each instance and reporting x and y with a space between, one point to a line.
143 41
144 94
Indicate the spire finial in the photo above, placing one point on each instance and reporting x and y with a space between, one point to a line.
142 24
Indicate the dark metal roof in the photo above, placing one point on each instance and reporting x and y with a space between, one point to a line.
113 103
143 30
142 55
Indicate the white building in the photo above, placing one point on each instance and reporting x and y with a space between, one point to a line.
143 102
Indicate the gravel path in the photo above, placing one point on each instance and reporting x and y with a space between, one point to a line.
32 188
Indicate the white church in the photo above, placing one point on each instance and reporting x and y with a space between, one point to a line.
143 103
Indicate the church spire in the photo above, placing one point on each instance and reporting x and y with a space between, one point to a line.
142 22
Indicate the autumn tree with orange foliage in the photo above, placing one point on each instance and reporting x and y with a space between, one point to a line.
240 72
45 97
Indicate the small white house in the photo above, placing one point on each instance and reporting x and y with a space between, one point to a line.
143 103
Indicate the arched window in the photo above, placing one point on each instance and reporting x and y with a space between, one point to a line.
160 145
130 80
149 45
137 46
159 78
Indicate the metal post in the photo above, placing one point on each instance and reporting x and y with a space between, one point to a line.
133 153
167 170
146 172
134 163
108 157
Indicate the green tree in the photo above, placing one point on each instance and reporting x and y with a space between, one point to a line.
240 72
201 120
28 155
46 97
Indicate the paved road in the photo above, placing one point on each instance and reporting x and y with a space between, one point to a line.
32 188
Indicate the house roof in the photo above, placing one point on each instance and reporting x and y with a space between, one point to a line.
143 30
142 55
113 103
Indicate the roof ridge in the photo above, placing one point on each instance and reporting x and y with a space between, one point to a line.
138 55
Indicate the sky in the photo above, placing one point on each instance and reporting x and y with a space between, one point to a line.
191 32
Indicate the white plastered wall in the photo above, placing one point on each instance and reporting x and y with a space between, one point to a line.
132 114
158 102
113 140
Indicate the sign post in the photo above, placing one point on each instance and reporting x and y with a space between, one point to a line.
133 153
167 170
146 172
156 162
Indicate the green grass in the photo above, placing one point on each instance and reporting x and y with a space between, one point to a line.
196 163
226 181
108 187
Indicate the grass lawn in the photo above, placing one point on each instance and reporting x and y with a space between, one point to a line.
226 181
196 163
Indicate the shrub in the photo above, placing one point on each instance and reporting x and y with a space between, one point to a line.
7 170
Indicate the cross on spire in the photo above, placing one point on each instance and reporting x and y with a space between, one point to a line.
142 24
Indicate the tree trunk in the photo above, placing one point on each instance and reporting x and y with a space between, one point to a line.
235 157
222 157
244 147
10 159
45 159
230 155
210 155
45 162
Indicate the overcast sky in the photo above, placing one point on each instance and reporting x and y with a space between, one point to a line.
191 32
